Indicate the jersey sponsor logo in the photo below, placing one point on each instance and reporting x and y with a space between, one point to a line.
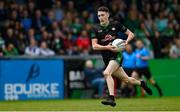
108 37
99 31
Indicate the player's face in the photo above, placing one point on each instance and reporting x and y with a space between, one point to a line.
103 17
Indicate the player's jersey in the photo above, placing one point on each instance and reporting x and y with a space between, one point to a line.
106 35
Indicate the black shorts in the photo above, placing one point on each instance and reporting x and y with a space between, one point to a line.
144 72
117 58
109 55
129 71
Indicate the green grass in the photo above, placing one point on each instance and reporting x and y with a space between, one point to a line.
137 104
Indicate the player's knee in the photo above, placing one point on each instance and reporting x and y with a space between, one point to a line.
126 81
106 73
129 80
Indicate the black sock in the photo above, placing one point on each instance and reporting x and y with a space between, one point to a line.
111 97
157 86
142 84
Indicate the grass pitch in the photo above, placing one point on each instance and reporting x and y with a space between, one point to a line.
123 104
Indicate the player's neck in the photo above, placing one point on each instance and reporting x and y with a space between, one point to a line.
105 24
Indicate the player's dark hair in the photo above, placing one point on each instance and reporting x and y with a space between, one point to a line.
103 8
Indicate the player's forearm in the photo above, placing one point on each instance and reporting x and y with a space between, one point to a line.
99 47
130 37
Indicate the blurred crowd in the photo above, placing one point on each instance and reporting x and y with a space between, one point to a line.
62 27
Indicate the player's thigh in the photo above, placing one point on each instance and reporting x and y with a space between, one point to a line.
120 73
128 71
111 67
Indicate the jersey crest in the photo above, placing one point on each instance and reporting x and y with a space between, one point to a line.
108 37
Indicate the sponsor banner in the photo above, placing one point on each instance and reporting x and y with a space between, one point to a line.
31 79
74 75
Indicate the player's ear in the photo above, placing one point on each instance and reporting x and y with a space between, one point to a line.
108 15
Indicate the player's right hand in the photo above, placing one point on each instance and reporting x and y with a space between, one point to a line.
110 47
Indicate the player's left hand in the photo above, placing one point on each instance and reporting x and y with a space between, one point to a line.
115 49
126 42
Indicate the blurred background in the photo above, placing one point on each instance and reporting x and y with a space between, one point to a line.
45 47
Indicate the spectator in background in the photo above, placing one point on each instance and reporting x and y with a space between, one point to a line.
44 50
161 22
57 43
17 28
22 43
39 21
31 34
69 18
10 37
149 24
54 27
50 18
2 45
31 6
21 9
175 49
47 37
86 17
3 12
26 21
58 11
133 18
83 42
94 77
10 50
65 25
143 34
2 42
87 27
13 16
1 52
71 7
168 33
76 28
68 44
32 49
118 9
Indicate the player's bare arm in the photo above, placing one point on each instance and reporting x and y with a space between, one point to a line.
130 36
97 46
